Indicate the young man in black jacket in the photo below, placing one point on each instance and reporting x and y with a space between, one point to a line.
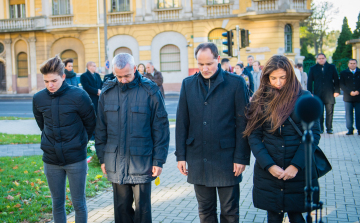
323 81
66 117
210 122
350 84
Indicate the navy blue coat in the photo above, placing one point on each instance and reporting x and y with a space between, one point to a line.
350 82
132 130
282 148
67 121
209 129
323 81
91 86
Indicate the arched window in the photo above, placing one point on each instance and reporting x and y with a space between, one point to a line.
288 39
22 65
216 37
73 55
61 7
170 58
120 5
122 50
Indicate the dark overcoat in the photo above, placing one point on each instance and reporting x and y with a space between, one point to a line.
158 79
132 130
350 82
282 148
91 85
209 129
323 81
67 121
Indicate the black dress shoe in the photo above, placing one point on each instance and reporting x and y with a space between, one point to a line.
350 133
330 131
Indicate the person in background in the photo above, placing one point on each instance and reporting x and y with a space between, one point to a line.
92 83
250 60
109 77
297 71
279 170
66 117
155 76
323 81
141 68
350 84
249 80
69 72
304 77
256 73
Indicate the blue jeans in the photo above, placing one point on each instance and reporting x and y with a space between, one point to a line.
72 81
349 114
56 177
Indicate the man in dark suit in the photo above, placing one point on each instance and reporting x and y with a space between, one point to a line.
155 76
323 81
350 84
92 83
210 122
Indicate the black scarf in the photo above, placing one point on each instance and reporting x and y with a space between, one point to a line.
70 74
132 84
60 91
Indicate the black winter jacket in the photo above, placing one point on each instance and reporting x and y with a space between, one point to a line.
323 81
91 86
132 130
67 121
209 128
350 82
283 148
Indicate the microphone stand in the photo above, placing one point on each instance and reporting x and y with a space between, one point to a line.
309 190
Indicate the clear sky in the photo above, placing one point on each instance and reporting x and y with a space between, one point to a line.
348 8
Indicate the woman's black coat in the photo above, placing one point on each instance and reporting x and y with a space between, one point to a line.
282 148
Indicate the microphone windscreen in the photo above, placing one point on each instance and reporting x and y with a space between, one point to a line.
308 108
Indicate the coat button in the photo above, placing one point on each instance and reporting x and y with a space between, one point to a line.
282 189
283 146
205 160
282 211
204 123
205 103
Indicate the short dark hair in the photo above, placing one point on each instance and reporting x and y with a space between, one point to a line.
299 65
240 65
211 46
53 65
319 55
69 60
353 60
256 61
224 60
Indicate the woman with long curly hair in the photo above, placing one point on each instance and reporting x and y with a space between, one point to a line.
279 171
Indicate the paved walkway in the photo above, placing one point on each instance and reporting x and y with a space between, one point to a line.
174 199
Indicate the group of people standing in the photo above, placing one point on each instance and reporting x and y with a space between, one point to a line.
217 128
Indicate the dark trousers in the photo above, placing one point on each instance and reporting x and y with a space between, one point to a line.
294 217
124 195
329 108
229 203
349 114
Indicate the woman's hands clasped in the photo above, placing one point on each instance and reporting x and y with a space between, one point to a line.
287 174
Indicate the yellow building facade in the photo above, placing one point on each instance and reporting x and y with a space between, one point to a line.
165 32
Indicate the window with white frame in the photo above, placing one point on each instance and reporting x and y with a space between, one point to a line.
120 5
61 7
217 2
170 58
288 39
17 9
165 4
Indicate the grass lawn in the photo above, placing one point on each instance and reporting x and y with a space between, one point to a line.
14 118
6 139
25 196
172 120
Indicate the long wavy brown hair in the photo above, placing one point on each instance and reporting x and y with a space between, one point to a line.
272 104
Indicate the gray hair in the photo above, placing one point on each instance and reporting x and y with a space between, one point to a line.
250 56
121 59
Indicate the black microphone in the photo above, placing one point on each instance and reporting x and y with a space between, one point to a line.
309 108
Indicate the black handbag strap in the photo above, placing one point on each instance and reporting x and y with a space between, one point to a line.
295 126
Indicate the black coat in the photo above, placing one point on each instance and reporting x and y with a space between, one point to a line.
132 130
158 79
109 77
323 81
283 148
209 128
91 86
67 121
251 82
350 82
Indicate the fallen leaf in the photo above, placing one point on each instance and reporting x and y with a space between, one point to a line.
15 167
67 189
98 177
17 205
9 197
37 171
32 184
47 196
1 170
16 183
26 172
33 162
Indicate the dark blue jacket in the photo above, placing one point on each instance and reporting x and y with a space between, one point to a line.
350 82
209 128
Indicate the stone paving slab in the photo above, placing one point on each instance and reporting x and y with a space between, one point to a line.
174 199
